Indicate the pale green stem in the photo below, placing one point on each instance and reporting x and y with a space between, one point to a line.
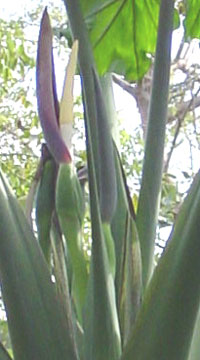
107 86
149 198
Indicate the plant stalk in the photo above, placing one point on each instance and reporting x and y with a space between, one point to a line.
149 198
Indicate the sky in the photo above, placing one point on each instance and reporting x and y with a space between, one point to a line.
10 8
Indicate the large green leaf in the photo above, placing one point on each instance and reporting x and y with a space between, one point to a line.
36 320
192 20
122 33
166 320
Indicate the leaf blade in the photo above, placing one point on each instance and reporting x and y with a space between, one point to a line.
168 313
34 322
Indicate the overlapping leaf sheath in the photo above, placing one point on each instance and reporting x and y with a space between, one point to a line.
37 326
45 204
125 247
128 279
195 344
3 353
70 210
101 326
102 334
166 320
62 274
107 174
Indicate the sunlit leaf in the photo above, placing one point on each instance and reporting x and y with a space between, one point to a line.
192 19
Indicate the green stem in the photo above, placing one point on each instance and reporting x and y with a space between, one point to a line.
153 161
102 312
86 63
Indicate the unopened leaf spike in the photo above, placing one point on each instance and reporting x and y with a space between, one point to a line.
46 90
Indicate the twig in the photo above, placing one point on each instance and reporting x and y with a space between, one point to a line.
179 123
125 85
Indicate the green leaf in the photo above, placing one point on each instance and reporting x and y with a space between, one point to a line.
132 25
24 57
191 23
166 321
127 54
35 318
10 44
